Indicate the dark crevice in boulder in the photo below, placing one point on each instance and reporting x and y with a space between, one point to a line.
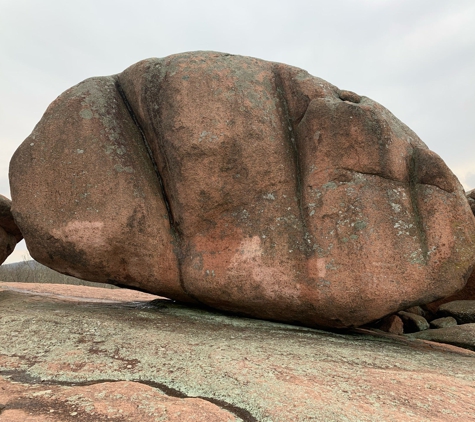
172 220
413 190
149 152
292 139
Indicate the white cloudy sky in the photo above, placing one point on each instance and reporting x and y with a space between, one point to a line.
416 57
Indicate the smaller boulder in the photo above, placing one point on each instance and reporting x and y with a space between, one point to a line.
416 310
460 336
471 199
392 324
462 310
413 322
443 322
10 234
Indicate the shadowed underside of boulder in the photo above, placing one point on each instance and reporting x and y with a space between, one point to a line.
245 185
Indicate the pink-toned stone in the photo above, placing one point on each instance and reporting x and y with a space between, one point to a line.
392 324
255 370
272 193
462 310
87 196
466 293
123 401
10 234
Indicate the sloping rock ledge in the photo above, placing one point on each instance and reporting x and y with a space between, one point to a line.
66 359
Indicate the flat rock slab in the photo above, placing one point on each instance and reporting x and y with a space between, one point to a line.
224 367
460 335
462 310
119 401
79 293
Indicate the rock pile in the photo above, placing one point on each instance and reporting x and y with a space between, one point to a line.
244 185
10 235
452 323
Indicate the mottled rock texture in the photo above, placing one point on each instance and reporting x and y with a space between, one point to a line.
460 335
467 293
225 368
10 234
462 310
245 185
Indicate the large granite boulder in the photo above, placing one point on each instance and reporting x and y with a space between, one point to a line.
245 185
10 234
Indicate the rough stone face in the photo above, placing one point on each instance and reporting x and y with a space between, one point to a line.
392 324
460 335
471 199
443 322
462 310
246 185
467 293
90 204
10 234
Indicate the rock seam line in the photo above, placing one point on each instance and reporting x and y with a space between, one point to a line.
24 378
149 152
293 141
413 187
171 219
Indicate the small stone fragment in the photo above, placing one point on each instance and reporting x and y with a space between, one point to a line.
413 322
417 310
443 322
462 310
392 324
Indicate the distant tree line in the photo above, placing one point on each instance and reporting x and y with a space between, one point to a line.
30 271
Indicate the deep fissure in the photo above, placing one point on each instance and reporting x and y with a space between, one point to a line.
292 138
171 219
149 152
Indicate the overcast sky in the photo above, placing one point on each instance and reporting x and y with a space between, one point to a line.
416 57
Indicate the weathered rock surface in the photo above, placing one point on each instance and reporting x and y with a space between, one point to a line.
460 336
392 324
462 310
443 322
245 185
10 234
471 199
467 293
119 401
249 370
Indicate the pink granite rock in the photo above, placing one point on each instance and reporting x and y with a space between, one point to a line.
10 234
246 185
